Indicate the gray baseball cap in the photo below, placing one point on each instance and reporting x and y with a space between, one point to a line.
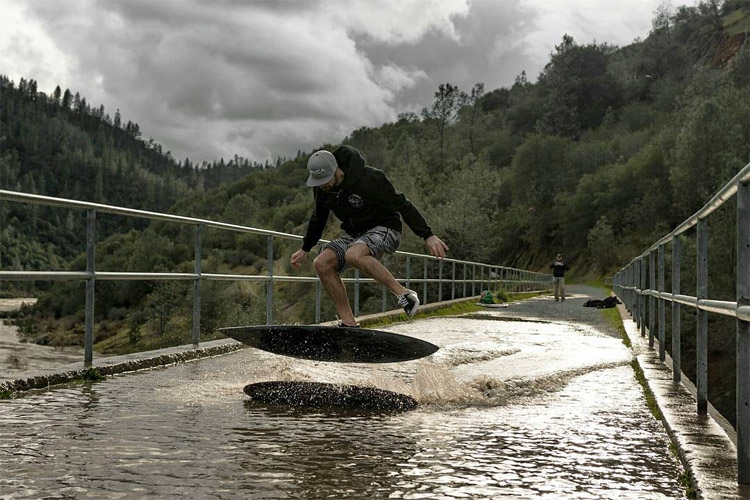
322 166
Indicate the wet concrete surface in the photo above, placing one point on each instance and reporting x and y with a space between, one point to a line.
533 401
704 442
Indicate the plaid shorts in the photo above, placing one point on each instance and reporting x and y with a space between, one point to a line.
380 240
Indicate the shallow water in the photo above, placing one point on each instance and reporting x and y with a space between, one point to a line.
513 409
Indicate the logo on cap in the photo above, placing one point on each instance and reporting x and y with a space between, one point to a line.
322 166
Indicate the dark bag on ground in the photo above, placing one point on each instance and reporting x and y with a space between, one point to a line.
607 303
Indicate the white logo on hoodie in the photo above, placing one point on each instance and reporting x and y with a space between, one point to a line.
356 201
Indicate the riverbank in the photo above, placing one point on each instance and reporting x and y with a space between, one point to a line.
18 358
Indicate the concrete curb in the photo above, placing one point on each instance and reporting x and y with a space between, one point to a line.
120 364
704 446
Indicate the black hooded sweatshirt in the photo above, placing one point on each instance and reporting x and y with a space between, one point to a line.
365 199
558 268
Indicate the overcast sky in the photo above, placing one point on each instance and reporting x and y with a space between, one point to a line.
263 78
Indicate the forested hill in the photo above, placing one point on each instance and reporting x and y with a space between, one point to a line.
59 145
605 152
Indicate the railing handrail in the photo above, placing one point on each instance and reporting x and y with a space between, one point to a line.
519 279
36 199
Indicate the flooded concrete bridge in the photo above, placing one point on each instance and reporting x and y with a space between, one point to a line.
537 400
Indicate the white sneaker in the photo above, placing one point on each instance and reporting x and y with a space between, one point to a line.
410 302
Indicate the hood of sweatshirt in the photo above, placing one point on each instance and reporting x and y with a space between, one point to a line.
352 163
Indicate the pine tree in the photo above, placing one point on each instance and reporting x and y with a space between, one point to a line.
66 100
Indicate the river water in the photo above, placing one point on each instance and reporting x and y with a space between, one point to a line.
518 403
20 359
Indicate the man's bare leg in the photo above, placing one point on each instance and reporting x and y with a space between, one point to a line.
359 256
325 266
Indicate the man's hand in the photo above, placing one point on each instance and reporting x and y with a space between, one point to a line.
436 247
297 258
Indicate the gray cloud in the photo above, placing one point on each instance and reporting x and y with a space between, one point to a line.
486 50
267 78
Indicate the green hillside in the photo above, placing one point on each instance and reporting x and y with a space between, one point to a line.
59 145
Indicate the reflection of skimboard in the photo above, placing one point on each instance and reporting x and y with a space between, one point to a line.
332 343
493 306
322 395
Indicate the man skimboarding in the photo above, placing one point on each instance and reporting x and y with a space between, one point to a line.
370 210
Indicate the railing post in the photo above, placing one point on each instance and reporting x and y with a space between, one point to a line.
473 279
356 292
635 276
384 291
633 291
440 280
197 288
318 290
701 341
629 293
269 285
88 355
676 331
651 308
743 334
453 282
424 288
660 301
642 301
644 305
464 280
636 294
408 270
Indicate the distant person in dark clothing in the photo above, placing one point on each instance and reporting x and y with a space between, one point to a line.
559 266
370 210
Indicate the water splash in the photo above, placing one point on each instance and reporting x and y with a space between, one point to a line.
435 385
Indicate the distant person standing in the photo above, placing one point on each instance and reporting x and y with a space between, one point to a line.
371 211
559 266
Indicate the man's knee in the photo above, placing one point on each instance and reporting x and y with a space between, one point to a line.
324 263
355 254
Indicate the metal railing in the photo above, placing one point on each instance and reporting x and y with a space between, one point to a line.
630 284
474 274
